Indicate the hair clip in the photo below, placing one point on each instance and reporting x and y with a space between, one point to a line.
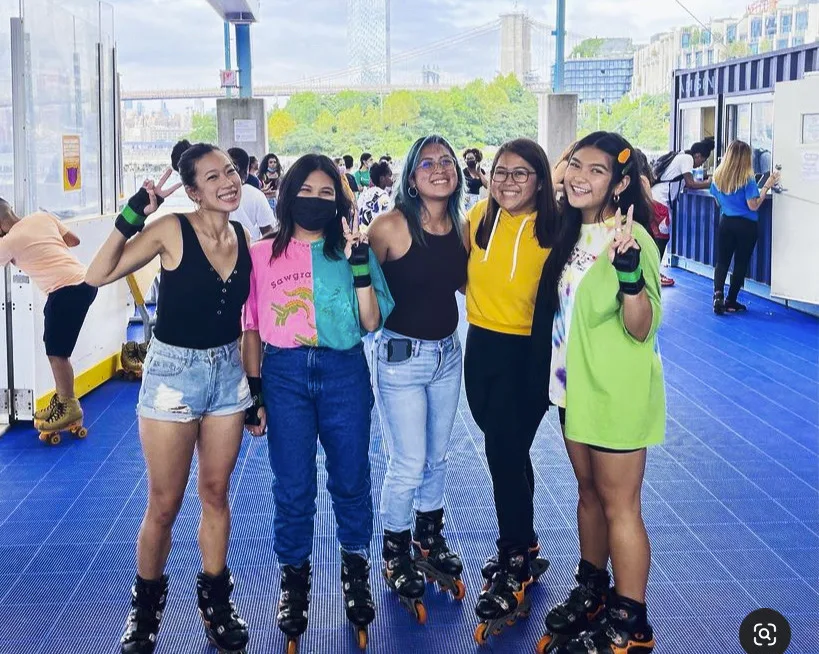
623 157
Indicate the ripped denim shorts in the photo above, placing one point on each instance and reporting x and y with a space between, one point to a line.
182 384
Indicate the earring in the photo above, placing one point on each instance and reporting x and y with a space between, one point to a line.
410 192
616 198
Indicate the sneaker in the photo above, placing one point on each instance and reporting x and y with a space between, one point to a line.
666 281
719 303
732 306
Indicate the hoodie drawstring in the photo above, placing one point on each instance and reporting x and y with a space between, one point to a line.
517 241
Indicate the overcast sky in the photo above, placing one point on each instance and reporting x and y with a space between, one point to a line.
179 43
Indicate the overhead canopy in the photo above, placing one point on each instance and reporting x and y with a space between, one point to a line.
236 11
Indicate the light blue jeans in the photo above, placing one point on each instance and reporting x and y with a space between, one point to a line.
418 401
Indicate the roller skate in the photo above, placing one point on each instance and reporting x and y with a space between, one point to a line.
432 556
506 599
142 626
625 630
582 612
402 575
45 413
537 565
294 601
130 361
358 598
66 416
225 630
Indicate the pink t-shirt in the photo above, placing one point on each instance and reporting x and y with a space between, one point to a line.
36 246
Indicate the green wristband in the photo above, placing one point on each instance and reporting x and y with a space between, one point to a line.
132 216
361 269
629 277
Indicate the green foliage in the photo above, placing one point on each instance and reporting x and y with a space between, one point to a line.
203 128
737 50
643 121
478 114
587 49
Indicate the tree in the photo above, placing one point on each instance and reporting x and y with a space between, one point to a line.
203 128
587 49
644 121
279 124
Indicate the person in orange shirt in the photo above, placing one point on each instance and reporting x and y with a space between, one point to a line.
39 245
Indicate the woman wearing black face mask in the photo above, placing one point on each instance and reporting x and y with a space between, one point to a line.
315 290
474 178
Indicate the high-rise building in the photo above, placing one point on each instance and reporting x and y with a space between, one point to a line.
368 40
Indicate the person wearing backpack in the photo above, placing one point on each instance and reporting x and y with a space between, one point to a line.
672 172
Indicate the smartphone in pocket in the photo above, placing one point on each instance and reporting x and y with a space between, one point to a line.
398 350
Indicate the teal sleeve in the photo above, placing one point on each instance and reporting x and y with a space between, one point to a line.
382 291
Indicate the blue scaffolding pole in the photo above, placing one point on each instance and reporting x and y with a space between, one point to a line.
243 60
560 46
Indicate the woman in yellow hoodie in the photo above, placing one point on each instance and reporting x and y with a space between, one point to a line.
511 235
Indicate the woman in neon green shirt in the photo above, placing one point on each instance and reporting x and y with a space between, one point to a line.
596 319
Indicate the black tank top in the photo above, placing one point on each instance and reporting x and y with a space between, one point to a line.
423 284
195 308
473 184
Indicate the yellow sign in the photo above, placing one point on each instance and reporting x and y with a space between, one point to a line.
72 179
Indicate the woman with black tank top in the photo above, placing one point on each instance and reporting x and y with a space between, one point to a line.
418 365
194 392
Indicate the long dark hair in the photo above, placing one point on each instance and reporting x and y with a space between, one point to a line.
412 207
290 187
623 163
546 221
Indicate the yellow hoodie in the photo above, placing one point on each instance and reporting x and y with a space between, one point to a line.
502 280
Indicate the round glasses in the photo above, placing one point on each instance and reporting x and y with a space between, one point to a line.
519 175
428 165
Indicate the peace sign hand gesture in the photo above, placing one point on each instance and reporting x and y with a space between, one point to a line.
624 255
157 194
357 252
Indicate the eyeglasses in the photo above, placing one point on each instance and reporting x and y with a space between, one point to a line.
428 165
519 175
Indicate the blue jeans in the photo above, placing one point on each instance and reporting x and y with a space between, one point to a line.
418 402
311 394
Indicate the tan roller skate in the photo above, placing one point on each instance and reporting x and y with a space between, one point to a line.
45 413
131 361
66 416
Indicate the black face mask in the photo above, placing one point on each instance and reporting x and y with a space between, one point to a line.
313 214
471 163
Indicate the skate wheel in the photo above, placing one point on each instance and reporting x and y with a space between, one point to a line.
82 432
362 639
54 439
420 612
459 592
543 644
43 437
292 646
481 634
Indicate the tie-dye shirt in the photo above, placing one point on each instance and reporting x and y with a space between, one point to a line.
593 241
305 299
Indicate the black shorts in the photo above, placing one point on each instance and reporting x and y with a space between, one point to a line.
561 412
65 311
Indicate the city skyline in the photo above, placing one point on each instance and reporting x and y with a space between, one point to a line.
290 44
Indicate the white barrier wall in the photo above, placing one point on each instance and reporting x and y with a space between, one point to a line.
101 337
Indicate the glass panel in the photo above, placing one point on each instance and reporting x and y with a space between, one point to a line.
690 127
8 9
762 135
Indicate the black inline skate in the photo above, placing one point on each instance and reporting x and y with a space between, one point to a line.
537 565
402 575
294 601
142 626
358 598
625 630
225 630
583 611
506 599
433 557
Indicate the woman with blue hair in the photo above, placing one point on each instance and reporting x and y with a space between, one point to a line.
421 246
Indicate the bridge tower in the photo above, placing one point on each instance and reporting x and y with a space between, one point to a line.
368 40
516 45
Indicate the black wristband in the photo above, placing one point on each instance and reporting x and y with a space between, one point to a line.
362 281
252 412
127 229
633 288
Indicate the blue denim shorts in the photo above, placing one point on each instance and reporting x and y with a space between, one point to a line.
182 384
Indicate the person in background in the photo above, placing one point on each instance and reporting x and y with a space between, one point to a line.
559 170
375 199
253 173
254 211
315 290
660 223
194 392
739 198
386 158
270 172
39 245
421 245
474 177
362 175
349 163
596 319
672 173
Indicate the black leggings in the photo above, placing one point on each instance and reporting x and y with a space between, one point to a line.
509 413
662 244
737 238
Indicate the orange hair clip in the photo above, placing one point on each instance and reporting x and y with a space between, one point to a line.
623 157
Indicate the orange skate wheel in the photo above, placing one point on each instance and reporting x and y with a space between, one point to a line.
292 646
54 439
362 639
543 643
81 432
481 633
43 437
459 592
420 612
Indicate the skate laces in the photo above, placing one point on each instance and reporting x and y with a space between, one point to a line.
581 598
